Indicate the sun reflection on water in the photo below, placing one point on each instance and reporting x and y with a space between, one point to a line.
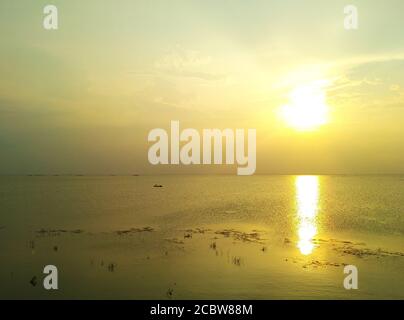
307 194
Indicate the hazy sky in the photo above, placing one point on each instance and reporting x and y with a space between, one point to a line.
83 98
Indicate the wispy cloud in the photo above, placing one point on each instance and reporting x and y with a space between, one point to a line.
179 62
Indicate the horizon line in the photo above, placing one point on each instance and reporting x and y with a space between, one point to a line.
187 174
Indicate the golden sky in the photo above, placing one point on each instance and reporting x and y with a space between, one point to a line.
82 99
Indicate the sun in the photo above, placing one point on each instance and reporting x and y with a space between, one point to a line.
307 109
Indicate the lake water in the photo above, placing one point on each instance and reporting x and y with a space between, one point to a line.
230 237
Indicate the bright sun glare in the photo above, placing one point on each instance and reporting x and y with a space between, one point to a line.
307 109
307 196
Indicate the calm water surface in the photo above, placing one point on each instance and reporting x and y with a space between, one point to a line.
257 237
